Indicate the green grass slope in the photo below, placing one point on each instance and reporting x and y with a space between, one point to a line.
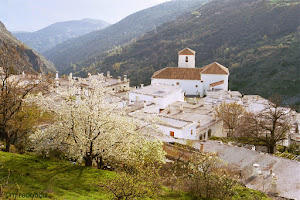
56 179
258 40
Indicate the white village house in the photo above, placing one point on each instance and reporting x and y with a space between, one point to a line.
163 95
167 90
193 81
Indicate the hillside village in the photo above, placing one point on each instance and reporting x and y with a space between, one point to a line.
185 100
185 97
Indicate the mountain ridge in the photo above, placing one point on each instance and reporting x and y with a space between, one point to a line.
93 44
46 38
32 61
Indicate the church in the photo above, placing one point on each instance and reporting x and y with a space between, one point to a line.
193 81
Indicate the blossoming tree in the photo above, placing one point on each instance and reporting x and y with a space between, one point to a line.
90 127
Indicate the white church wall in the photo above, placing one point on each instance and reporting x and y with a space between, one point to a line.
188 86
212 78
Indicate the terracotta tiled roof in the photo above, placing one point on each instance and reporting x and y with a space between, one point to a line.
186 51
216 83
215 68
178 73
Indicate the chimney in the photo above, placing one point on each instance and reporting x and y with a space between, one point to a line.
78 96
181 107
168 109
155 100
23 73
108 74
56 75
201 147
119 79
101 76
145 104
142 86
125 78
273 189
71 75
255 169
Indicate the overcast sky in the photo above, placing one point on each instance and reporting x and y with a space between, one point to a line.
32 15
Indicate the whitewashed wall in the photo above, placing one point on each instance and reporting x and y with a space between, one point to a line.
191 61
212 78
184 133
151 109
216 130
133 97
163 102
187 86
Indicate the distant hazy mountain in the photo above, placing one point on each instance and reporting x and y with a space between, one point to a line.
91 45
32 61
258 40
46 38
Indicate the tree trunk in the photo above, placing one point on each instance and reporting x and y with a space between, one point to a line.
7 145
88 161
100 162
271 148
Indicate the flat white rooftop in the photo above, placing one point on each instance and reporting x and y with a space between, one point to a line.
157 90
176 123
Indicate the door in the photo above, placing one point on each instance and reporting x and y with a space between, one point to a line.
172 133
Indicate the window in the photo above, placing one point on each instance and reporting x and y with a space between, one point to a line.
177 83
187 59
200 137
192 132
172 133
196 85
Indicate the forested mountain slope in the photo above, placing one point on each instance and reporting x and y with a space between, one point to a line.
258 40
46 38
91 45
30 60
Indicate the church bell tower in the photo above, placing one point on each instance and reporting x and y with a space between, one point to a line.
186 58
